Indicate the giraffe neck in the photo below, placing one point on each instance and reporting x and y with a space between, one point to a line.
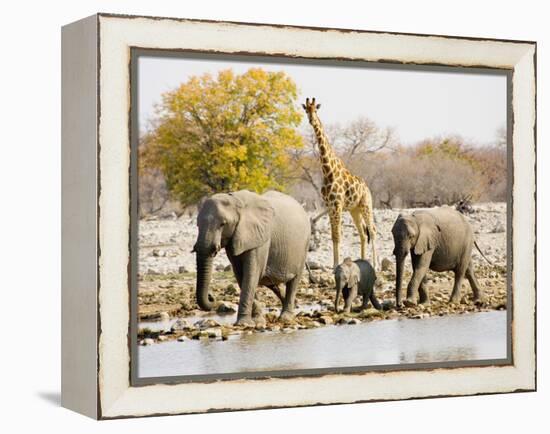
325 150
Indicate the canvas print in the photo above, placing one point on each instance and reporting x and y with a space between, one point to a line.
300 217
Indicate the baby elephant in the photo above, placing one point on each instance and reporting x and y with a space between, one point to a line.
354 278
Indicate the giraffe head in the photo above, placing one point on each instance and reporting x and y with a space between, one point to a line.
311 107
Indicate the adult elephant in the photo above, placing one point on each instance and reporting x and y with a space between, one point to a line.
440 239
265 237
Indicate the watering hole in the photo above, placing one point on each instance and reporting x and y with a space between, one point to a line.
466 337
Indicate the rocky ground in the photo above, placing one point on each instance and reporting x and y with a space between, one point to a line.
167 279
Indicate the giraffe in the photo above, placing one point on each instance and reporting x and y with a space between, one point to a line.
342 191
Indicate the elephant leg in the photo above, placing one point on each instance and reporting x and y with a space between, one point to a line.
358 222
249 282
337 299
258 314
277 290
287 314
459 276
352 295
256 308
237 266
423 292
365 303
478 292
345 294
335 215
421 264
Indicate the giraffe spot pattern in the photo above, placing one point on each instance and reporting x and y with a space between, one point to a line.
341 189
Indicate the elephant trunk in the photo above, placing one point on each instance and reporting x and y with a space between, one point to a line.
400 265
339 287
337 300
204 274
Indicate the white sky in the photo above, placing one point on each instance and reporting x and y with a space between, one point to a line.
418 104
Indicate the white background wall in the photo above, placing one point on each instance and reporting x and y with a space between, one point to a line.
30 215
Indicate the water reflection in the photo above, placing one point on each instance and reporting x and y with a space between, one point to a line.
478 336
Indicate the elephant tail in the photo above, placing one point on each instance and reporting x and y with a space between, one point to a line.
481 253
312 278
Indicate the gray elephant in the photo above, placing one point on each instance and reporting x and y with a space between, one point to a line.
355 278
265 237
440 239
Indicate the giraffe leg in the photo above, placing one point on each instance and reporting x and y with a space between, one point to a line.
335 214
358 222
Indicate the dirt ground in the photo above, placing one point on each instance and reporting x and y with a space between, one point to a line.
167 279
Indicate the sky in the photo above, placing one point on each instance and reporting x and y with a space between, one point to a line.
418 104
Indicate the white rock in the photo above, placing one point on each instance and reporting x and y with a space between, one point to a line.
387 264
207 323
327 320
181 324
214 333
226 307
314 265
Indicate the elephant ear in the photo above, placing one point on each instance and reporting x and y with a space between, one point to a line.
428 234
355 274
255 218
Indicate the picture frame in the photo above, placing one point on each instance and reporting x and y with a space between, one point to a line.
98 270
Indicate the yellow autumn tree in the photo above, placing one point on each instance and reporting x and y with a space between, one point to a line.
223 133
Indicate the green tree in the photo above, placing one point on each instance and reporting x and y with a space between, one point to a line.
224 133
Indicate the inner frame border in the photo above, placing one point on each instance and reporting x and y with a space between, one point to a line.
137 52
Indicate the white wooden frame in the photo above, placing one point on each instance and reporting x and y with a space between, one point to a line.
96 217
